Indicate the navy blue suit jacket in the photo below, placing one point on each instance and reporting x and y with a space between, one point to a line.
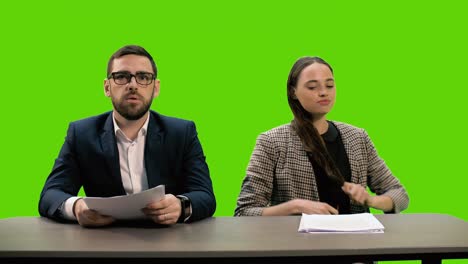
89 158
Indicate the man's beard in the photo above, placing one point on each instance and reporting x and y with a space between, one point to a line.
131 111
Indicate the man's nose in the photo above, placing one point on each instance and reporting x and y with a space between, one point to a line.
132 84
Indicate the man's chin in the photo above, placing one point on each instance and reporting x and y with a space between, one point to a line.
132 115
132 111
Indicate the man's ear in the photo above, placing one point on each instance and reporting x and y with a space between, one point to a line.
157 84
107 88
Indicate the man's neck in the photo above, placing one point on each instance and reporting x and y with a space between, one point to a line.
130 127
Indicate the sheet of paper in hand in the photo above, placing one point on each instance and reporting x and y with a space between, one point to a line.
125 207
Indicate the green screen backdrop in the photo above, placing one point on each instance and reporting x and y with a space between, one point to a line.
400 70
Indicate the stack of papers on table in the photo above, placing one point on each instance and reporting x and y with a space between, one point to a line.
126 207
352 223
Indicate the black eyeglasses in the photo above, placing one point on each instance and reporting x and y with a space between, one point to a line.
121 78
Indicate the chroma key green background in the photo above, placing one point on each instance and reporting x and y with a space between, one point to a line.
400 70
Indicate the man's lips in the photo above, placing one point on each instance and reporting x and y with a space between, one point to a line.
133 97
133 100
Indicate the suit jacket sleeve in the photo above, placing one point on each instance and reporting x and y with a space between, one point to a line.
381 180
257 186
198 187
63 182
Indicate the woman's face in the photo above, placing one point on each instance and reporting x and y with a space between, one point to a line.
316 89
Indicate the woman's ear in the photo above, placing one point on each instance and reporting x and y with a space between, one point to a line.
293 96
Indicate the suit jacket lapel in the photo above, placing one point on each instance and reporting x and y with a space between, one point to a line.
111 153
153 152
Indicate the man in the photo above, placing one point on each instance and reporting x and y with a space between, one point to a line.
129 150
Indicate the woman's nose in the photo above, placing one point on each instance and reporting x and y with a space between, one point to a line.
323 91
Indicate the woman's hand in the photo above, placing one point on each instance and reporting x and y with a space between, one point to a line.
356 193
311 207
299 206
360 195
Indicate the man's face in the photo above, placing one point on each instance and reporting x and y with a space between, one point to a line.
131 100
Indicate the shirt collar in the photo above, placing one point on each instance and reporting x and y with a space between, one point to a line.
142 131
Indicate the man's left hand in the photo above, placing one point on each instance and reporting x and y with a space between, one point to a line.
166 211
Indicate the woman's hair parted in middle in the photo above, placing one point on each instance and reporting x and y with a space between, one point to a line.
302 123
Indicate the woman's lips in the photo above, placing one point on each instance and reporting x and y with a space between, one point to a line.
324 102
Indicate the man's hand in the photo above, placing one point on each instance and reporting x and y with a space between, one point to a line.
166 211
89 218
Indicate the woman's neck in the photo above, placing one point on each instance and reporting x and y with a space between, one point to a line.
321 125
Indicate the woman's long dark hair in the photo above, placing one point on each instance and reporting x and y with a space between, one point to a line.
303 126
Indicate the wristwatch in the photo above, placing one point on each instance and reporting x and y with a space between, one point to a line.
186 208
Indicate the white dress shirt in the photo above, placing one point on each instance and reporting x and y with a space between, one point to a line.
132 165
132 159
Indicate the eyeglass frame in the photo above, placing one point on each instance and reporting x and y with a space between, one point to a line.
129 80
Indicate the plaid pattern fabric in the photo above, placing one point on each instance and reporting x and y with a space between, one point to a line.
279 170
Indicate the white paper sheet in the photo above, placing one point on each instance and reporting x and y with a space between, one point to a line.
352 223
126 207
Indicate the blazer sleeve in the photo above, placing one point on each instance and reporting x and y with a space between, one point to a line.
257 186
63 182
381 180
198 187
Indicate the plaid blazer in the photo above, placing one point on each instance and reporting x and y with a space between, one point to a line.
279 170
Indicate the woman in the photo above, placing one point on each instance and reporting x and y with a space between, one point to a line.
315 166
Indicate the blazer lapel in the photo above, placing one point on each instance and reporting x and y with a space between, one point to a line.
153 152
350 152
305 184
111 153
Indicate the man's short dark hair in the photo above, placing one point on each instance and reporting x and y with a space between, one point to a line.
131 49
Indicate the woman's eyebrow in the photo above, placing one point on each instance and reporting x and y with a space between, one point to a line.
315 81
